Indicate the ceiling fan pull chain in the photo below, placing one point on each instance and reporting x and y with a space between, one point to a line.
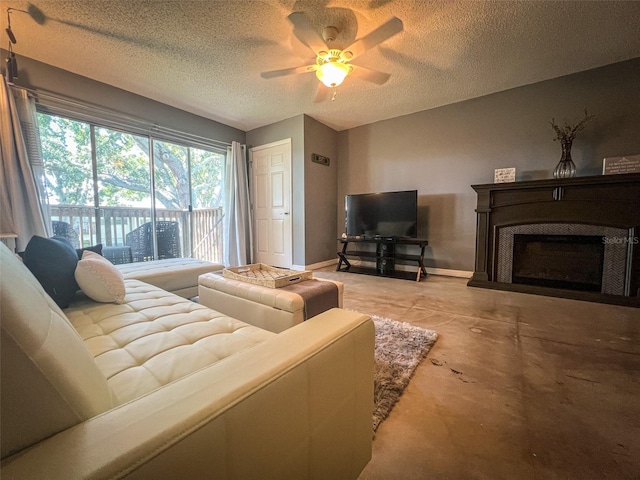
335 92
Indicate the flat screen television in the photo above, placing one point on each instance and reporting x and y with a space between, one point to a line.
386 214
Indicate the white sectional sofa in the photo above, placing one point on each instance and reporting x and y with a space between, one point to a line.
161 387
175 275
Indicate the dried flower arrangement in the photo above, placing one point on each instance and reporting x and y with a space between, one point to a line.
567 133
566 168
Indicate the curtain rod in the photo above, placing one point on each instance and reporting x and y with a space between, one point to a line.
127 119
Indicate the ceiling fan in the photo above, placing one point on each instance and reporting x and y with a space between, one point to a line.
332 64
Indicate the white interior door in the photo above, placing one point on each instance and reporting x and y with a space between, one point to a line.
271 196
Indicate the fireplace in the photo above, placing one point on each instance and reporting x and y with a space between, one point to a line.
574 237
572 254
573 262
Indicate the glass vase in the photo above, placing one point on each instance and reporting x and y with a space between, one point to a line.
565 168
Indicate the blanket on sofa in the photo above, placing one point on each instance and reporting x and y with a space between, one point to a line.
318 296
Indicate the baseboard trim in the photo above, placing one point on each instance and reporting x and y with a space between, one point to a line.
315 266
445 272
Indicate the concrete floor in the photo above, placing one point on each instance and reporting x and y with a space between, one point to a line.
517 386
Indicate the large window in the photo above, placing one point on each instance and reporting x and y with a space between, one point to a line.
140 196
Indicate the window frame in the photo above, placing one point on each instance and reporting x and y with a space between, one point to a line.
124 124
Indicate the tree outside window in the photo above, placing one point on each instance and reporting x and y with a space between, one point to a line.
188 184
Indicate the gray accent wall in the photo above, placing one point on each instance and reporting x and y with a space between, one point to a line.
440 152
292 128
314 186
443 151
321 191
38 75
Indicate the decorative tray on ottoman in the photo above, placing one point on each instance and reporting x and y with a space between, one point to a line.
266 276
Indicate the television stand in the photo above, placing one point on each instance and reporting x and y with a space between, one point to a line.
384 257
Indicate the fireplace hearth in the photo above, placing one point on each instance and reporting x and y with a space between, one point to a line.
575 238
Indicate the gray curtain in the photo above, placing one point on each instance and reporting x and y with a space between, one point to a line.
237 217
21 207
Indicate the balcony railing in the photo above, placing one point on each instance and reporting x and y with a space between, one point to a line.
200 230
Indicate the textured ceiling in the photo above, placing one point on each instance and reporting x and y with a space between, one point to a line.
205 57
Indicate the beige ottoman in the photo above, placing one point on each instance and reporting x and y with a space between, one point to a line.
175 275
272 309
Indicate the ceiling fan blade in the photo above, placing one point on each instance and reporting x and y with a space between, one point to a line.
373 76
289 71
382 33
306 33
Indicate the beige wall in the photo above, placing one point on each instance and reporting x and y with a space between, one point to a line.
441 152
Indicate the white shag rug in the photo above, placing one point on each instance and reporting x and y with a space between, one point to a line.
400 347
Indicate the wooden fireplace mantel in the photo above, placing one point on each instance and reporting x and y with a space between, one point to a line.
603 200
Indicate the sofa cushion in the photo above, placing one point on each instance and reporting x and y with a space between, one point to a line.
156 337
176 275
53 262
99 278
49 380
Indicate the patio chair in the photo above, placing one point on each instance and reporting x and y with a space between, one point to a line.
117 254
66 231
141 241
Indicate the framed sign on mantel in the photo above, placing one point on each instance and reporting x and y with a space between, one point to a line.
504 175
618 165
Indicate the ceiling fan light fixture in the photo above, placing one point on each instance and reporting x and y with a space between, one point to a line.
332 74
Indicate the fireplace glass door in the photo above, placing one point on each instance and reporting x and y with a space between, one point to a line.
573 262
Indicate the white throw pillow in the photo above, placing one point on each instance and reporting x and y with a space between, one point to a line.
99 279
